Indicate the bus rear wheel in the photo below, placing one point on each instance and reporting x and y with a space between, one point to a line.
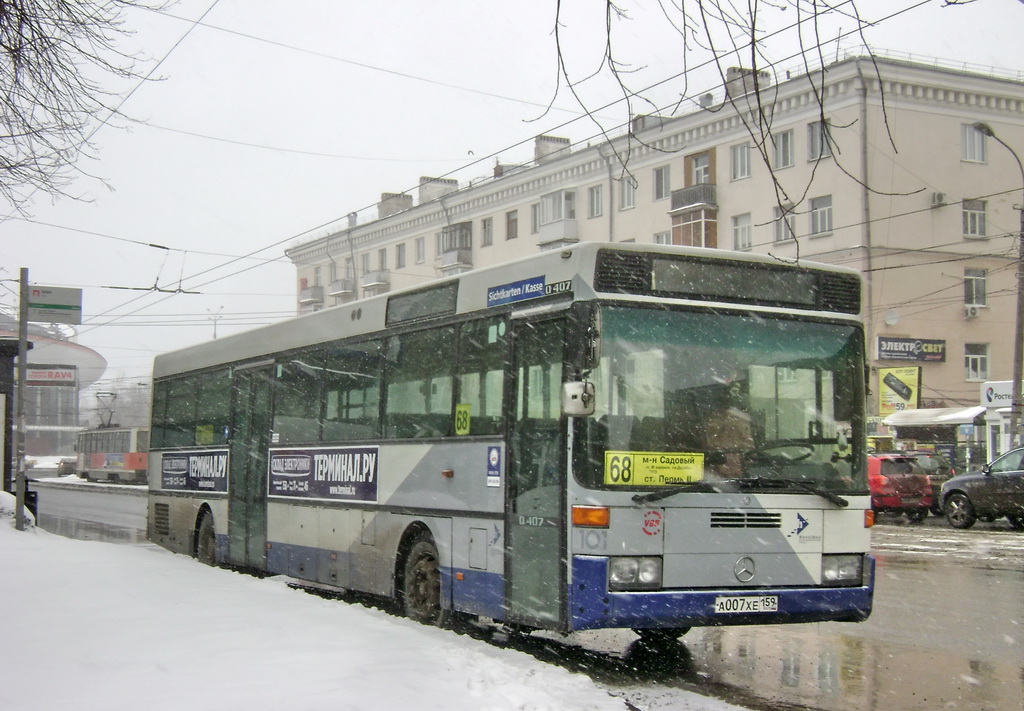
421 584
206 541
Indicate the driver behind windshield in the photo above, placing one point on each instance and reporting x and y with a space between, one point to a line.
727 431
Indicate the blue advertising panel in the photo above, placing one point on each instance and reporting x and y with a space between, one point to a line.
524 290
202 470
334 473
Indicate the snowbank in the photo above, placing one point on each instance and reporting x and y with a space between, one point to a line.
111 627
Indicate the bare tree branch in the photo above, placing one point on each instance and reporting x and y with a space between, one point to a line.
57 61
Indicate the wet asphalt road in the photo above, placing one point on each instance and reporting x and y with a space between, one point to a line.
947 632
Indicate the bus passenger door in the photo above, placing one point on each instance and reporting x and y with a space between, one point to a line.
247 477
535 550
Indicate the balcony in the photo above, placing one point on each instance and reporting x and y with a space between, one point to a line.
342 287
378 280
704 195
558 234
456 260
311 295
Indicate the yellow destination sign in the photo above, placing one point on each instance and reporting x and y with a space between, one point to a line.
652 468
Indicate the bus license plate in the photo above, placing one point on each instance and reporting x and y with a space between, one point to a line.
761 603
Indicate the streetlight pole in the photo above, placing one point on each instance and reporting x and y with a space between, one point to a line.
1018 356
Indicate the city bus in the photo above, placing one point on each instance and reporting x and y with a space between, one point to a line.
602 436
115 454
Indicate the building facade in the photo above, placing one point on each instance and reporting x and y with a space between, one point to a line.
874 164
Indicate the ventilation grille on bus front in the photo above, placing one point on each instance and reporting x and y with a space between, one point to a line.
624 272
745 519
840 293
162 519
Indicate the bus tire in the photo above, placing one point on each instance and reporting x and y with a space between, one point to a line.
206 540
421 583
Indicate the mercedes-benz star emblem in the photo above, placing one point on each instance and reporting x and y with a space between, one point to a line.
744 569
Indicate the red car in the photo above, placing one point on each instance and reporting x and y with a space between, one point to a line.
899 485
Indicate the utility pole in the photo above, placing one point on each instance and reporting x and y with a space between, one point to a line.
19 479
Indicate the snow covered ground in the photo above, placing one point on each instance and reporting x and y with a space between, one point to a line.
90 625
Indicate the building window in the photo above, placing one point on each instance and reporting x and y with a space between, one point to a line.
627 193
740 161
783 155
366 263
400 256
382 259
662 183
974 287
455 237
535 218
595 199
741 240
974 218
701 169
821 215
512 224
557 206
785 223
819 142
662 238
316 276
976 361
972 144
421 250
487 232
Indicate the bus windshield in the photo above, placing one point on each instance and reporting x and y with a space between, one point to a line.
698 397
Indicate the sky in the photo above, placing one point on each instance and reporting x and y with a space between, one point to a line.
111 627
264 123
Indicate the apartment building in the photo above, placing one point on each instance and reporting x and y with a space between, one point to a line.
877 165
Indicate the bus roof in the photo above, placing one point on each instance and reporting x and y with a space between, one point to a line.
566 274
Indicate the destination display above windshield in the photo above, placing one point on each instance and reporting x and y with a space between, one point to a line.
652 468
731 282
335 473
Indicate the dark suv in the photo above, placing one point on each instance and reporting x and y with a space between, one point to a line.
996 490
938 468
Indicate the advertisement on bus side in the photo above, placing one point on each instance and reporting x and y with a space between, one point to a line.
205 470
334 473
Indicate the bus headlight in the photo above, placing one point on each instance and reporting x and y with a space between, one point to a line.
837 570
634 573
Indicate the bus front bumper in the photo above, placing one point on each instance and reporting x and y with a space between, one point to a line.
593 606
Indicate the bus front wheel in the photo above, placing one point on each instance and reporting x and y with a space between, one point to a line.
206 541
421 584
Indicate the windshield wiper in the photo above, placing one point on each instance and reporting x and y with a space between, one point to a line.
805 485
701 486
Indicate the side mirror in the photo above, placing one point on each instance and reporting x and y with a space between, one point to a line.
986 470
578 398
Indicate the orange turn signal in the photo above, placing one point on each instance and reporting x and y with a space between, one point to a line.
591 516
869 518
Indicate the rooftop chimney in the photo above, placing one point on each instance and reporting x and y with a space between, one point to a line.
433 188
390 203
547 146
740 81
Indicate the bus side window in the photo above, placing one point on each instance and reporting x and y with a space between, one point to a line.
297 399
483 350
419 384
351 396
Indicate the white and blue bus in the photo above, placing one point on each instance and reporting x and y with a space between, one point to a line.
652 438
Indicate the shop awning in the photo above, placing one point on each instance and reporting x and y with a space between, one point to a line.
929 417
